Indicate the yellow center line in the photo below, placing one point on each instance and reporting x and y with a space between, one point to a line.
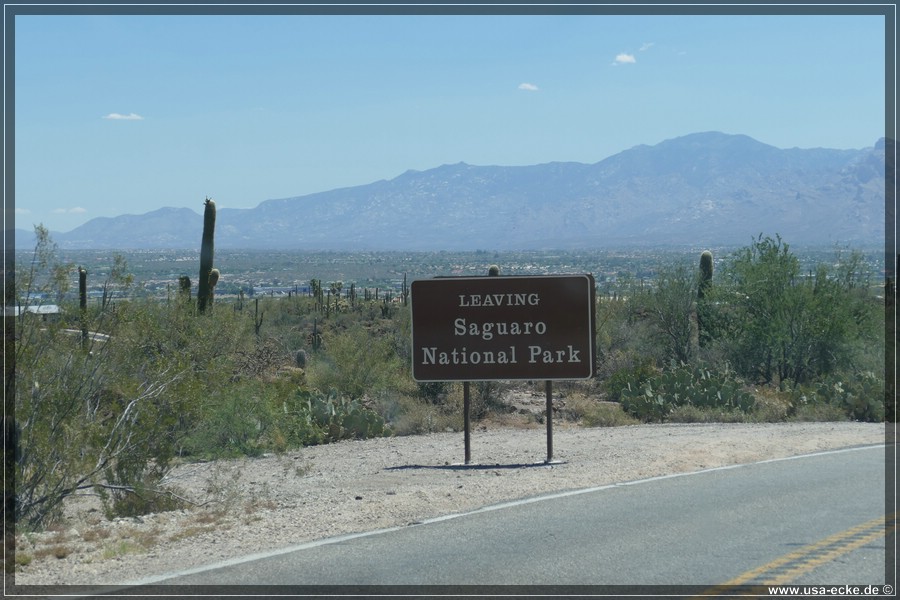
814 561
809 557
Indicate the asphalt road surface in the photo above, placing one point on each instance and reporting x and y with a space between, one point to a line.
814 520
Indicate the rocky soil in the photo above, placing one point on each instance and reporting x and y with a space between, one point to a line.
247 506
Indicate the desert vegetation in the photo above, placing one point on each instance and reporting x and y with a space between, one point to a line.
108 395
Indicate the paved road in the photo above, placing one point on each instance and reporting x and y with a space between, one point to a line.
803 520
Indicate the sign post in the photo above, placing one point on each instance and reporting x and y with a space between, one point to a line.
549 421
466 427
503 328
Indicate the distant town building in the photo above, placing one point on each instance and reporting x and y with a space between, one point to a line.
45 311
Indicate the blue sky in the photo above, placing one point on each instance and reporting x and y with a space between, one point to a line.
127 114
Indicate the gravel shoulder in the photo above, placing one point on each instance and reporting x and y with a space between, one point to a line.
248 506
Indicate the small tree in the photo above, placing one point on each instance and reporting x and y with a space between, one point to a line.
670 306
786 327
356 362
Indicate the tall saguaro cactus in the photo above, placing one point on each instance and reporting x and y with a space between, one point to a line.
706 273
205 286
703 288
82 297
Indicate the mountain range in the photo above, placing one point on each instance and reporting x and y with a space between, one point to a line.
701 189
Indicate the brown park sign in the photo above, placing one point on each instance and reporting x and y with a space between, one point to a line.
490 328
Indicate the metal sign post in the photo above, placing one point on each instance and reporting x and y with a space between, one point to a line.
466 427
549 421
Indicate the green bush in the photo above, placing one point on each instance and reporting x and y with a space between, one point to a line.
313 417
232 425
781 324
629 378
670 307
101 416
772 405
658 396
859 396
411 415
817 411
356 362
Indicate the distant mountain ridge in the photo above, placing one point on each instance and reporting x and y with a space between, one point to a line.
704 189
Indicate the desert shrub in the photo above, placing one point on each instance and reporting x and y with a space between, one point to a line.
355 363
433 392
629 378
627 335
817 411
409 415
781 325
486 397
613 335
642 403
314 417
858 396
606 415
261 359
144 497
684 384
95 415
772 405
670 306
232 425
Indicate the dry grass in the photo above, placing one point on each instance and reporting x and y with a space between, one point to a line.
96 534
121 548
191 531
58 551
23 559
590 411
209 517
772 405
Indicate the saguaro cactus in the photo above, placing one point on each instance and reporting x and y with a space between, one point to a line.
257 317
82 296
184 286
703 287
204 293
706 273
405 291
315 339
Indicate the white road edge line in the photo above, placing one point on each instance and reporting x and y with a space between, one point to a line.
484 509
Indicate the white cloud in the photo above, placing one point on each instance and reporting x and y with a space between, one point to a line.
624 59
128 117
528 87
646 46
23 211
70 211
